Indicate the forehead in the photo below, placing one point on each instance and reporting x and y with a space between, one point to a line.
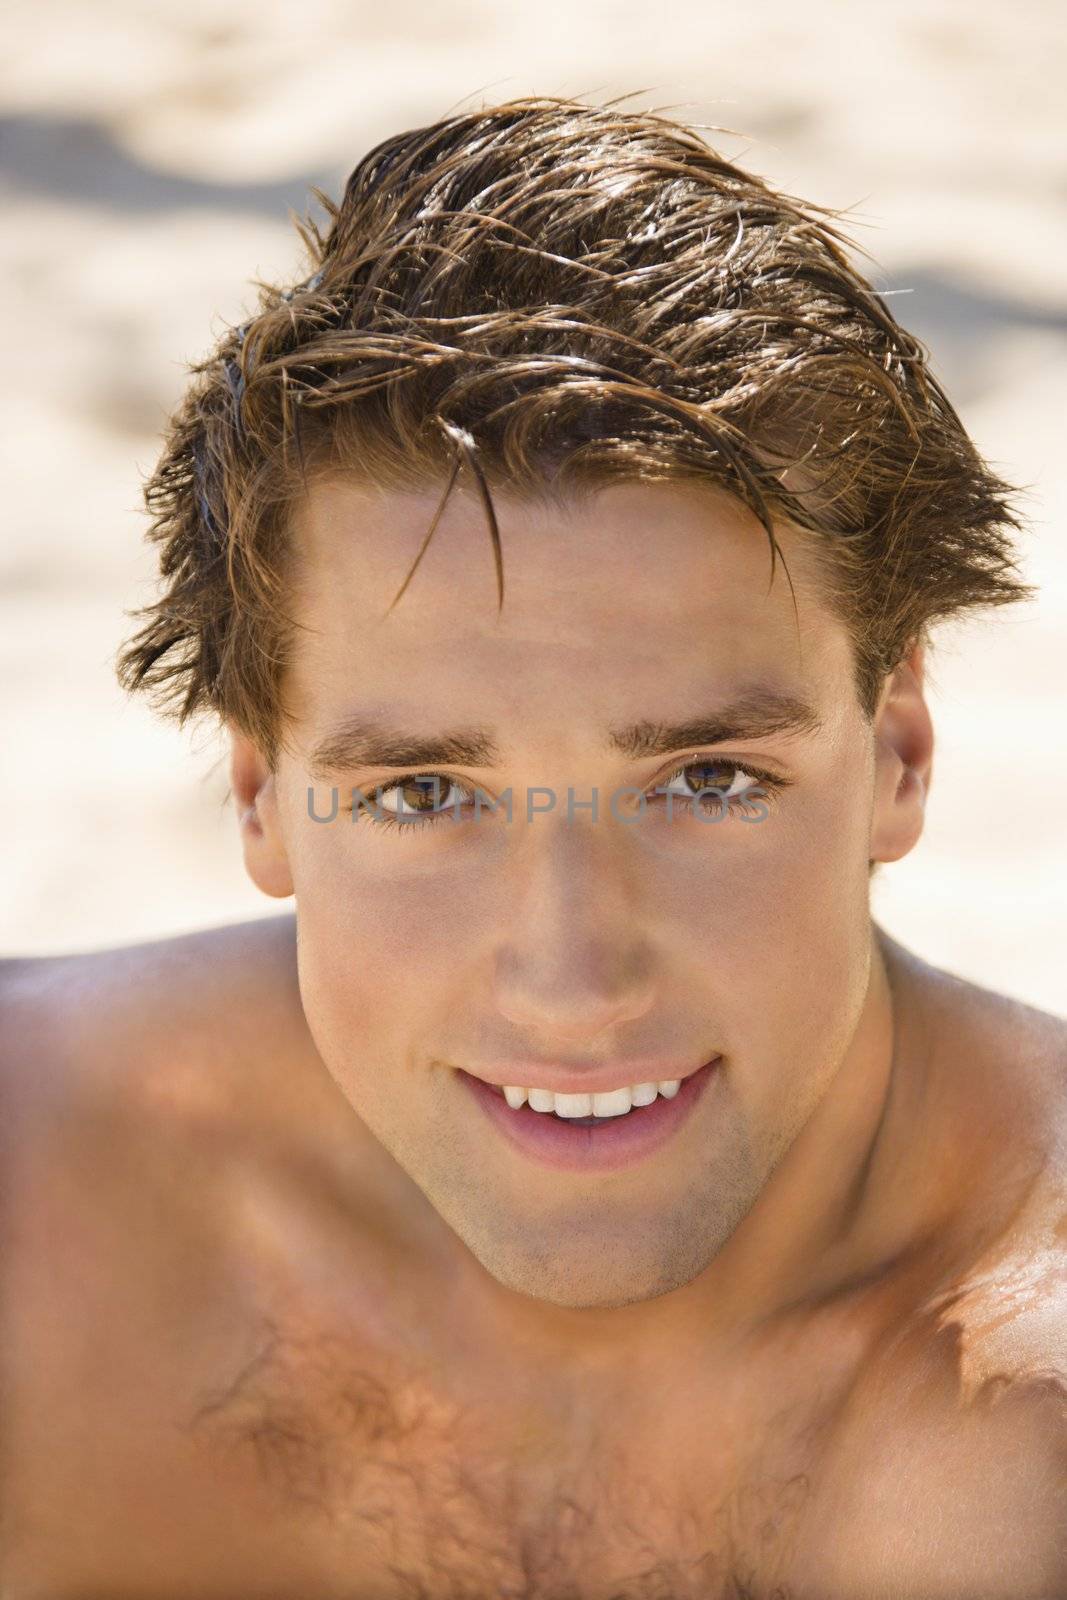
632 590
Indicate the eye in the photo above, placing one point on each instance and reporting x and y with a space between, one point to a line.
721 773
422 797
425 798
741 776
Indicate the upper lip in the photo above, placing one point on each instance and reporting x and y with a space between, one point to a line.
561 1078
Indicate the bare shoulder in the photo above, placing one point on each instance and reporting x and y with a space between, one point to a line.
1003 1079
174 1069
951 1462
124 1070
996 1066
948 1474
155 1207
1014 1030
1002 1316
959 1425
167 1017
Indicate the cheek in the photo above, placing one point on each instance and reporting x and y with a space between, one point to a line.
782 933
792 882
377 951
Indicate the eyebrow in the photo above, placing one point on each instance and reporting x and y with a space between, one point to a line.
759 713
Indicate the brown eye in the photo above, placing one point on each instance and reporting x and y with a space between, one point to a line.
715 775
419 795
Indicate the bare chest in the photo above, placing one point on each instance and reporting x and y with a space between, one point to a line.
303 1462
445 1482
213 1385
186 1414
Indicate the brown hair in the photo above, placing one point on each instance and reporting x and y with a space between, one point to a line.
557 295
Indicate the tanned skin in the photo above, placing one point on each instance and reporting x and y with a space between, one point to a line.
282 1313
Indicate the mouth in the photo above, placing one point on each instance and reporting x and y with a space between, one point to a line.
590 1109
570 1081
591 1142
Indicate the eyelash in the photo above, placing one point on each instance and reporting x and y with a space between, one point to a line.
764 779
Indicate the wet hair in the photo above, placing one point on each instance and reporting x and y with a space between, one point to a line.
544 297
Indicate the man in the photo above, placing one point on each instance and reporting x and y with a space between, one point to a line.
579 1195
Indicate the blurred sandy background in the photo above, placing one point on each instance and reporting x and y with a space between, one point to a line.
151 152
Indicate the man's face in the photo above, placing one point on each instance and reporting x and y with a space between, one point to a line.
468 942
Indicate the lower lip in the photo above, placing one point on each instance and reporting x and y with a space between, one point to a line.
616 1142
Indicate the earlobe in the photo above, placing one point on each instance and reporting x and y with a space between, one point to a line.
904 743
254 788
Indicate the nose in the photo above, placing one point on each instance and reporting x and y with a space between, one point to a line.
572 964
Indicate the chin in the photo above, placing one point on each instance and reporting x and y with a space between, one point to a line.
596 1278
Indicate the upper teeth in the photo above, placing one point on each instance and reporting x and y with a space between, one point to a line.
612 1104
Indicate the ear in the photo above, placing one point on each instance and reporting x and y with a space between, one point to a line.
255 795
904 750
